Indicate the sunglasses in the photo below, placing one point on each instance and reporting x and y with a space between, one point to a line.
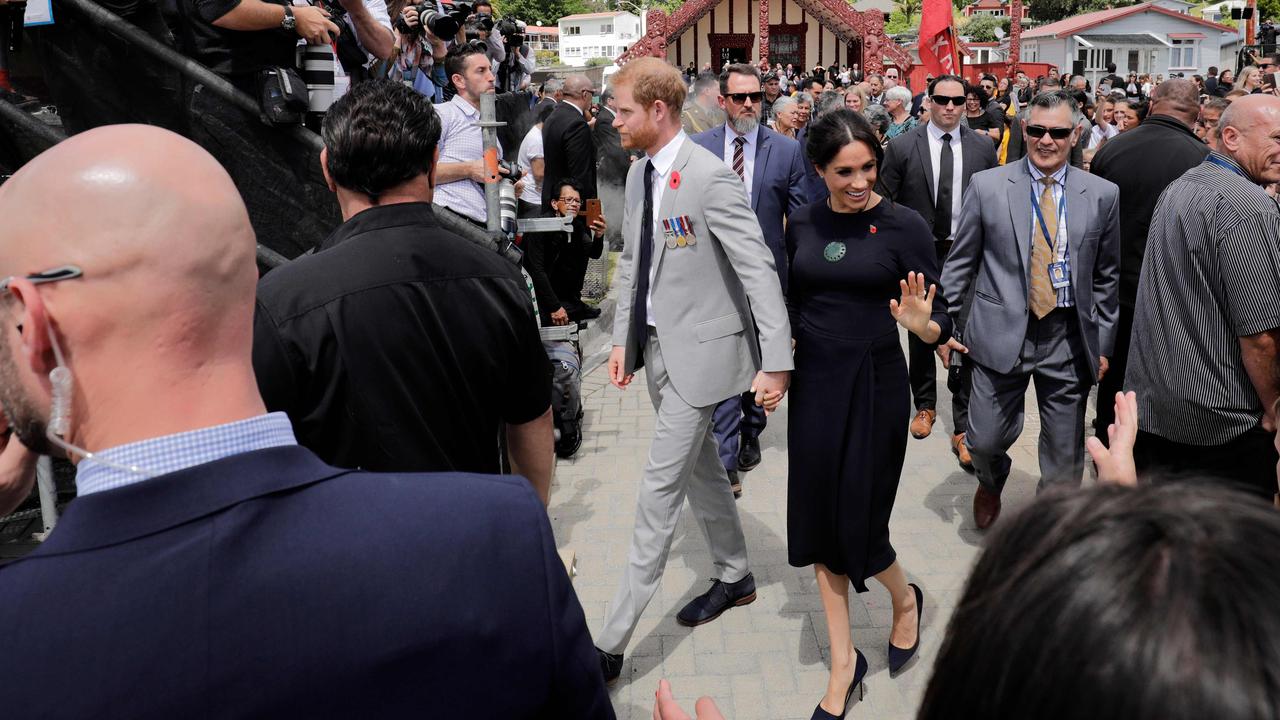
740 98
956 100
1058 133
65 272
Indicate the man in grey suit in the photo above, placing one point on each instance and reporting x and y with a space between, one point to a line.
771 168
1039 243
701 310
932 163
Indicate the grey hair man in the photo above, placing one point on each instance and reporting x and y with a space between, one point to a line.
1037 249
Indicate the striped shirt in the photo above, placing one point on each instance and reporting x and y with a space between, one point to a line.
1211 275
461 141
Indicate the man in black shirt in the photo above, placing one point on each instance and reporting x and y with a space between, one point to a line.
399 346
1142 163
237 38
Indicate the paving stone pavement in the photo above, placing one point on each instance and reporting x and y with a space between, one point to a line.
768 659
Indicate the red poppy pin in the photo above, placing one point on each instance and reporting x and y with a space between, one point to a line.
873 229
675 180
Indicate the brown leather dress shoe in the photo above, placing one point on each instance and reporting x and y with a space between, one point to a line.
961 452
922 423
986 508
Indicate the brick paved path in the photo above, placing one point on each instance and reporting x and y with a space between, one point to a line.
768 659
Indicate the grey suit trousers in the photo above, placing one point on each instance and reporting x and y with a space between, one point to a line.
1053 357
682 461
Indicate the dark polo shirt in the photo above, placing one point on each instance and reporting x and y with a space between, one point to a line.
400 346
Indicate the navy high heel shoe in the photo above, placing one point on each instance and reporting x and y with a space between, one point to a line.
859 672
899 656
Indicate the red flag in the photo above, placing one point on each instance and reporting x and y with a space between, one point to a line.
938 38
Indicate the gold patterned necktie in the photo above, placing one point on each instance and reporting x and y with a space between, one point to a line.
1043 297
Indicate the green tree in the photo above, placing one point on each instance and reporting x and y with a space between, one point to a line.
899 24
537 12
907 8
1269 9
981 28
1054 10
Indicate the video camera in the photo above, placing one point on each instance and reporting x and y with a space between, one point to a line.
443 25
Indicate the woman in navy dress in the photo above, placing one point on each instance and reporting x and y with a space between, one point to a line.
861 266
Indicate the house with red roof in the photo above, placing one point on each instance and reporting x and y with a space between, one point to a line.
1153 37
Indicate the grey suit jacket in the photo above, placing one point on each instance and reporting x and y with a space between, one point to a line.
992 252
717 304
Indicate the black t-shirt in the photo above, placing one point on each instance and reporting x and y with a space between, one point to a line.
234 53
400 347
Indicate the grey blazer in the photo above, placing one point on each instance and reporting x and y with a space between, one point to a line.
717 304
992 251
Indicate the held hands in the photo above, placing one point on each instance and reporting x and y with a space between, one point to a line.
617 359
912 311
1115 465
769 388
665 707
313 25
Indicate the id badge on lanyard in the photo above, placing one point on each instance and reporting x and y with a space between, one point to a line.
1059 272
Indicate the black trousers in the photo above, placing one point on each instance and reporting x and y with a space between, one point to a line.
1248 462
1113 381
923 371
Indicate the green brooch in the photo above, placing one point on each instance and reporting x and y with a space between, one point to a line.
834 251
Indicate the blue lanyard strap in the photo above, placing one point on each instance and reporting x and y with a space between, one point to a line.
1225 164
1062 212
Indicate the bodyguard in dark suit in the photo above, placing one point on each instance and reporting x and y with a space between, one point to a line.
1038 245
913 175
772 168
569 150
612 160
211 567
1142 163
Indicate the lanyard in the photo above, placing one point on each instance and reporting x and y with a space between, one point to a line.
1224 164
1062 215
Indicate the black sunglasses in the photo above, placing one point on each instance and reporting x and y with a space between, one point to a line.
956 100
1058 133
740 98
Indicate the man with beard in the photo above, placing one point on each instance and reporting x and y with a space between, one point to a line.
701 311
771 168
210 565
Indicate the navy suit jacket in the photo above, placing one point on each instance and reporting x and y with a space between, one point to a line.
269 584
777 185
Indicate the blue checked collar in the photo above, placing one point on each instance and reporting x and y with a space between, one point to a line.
171 453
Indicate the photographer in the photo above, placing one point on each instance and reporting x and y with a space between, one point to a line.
420 52
461 174
366 37
239 38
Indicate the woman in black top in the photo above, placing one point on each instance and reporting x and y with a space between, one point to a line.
980 118
861 266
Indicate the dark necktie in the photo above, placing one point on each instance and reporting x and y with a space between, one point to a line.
942 206
739 162
639 306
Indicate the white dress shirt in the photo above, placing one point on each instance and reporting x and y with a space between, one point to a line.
748 154
957 168
662 162
1101 132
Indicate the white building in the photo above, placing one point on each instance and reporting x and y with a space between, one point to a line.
1146 38
596 35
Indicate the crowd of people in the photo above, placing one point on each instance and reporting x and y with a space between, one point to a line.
782 231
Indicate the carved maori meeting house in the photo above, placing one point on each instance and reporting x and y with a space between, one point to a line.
801 32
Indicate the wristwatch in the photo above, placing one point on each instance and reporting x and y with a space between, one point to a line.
289 22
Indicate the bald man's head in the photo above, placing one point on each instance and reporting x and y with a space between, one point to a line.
1249 132
1177 98
578 90
167 254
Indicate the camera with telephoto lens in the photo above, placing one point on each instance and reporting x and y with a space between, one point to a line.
443 25
511 32
507 204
